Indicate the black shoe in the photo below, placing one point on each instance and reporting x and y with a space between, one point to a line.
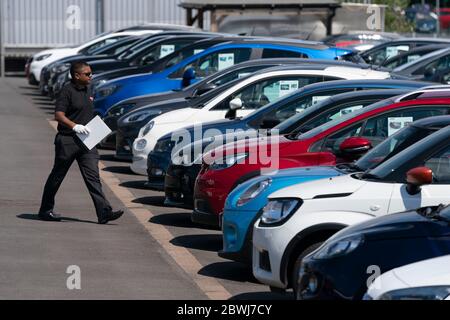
49 216
114 215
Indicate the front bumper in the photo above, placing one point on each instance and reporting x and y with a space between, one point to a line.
156 170
125 137
269 244
179 183
200 215
237 233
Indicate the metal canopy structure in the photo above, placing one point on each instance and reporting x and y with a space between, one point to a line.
220 9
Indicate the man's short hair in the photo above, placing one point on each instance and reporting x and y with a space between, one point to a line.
76 67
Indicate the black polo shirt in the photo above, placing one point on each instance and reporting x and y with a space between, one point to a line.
77 103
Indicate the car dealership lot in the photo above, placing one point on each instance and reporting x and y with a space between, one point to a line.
153 252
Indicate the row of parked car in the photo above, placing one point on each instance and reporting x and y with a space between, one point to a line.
302 153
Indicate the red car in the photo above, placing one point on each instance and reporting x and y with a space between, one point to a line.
444 17
340 140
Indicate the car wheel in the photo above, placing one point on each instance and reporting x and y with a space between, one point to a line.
297 265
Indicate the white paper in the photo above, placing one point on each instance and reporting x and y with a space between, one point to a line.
317 99
348 110
287 86
198 51
244 74
396 123
393 51
226 60
99 131
412 57
166 49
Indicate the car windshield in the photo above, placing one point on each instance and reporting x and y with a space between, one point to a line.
382 171
199 102
444 212
391 146
422 58
331 124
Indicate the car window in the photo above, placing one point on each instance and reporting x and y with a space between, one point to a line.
378 128
215 61
162 50
262 92
440 164
379 56
88 50
275 53
238 74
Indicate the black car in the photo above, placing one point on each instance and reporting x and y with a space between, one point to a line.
427 66
195 90
381 53
411 55
50 72
179 179
338 269
142 109
387 242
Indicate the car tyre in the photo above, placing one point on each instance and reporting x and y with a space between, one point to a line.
296 269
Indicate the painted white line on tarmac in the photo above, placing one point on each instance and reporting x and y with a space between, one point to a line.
185 260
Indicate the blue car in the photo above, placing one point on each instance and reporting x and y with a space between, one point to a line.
243 204
205 63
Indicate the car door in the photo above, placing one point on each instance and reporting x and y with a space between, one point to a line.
433 194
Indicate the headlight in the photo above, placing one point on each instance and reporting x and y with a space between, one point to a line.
339 247
277 211
120 110
418 293
228 161
253 191
43 57
141 115
107 91
140 144
147 128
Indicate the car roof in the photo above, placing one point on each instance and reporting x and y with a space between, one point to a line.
368 93
433 122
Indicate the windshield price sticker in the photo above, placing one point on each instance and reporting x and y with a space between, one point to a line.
397 123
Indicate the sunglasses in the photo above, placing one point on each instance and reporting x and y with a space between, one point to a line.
87 74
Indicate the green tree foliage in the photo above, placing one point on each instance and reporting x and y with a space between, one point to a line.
395 20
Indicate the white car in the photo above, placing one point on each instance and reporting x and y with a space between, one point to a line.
246 95
297 219
423 280
43 58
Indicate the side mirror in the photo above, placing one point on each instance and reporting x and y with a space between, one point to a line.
205 88
235 104
188 76
417 177
355 147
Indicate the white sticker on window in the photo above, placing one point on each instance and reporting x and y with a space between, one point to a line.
348 110
166 49
244 74
317 99
198 51
396 123
287 86
412 57
272 91
226 60
393 51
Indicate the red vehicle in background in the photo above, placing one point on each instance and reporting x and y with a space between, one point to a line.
341 140
444 17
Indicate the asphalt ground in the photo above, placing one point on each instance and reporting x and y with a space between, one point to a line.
152 252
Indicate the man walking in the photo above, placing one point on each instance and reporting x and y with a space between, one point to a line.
73 110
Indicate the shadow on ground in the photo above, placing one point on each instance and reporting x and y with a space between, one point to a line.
135 185
110 157
263 296
179 219
204 242
152 201
119 169
34 216
229 270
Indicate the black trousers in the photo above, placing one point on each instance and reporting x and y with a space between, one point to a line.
67 150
